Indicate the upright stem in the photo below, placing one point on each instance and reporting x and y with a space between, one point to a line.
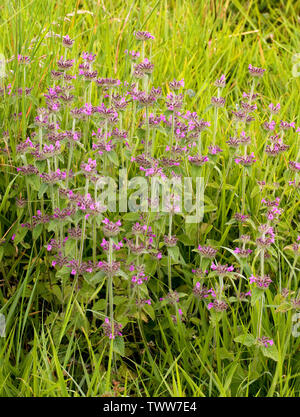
94 230
147 131
111 311
169 256
57 191
261 307
249 102
69 163
199 144
110 287
293 273
221 284
172 131
251 92
90 93
70 155
83 226
243 190
29 199
51 187
153 143
41 138
215 121
133 122
105 137
170 224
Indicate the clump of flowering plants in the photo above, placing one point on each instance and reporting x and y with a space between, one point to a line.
101 169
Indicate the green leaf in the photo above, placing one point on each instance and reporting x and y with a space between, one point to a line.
122 274
119 299
195 320
21 233
5 197
70 246
113 157
43 189
34 181
256 294
52 226
191 230
174 253
100 305
282 308
255 191
37 231
226 354
63 272
98 278
150 311
185 240
270 352
131 217
55 290
41 165
245 339
119 346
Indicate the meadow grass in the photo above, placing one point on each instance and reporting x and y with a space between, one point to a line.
54 345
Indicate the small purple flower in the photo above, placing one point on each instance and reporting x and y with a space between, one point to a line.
144 67
200 291
255 71
110 228
294 166
212 292
254 96
243 253
218 101
265 341
248 108
28 170
174 102
262 282
274 109
143 35
22 59
241 218
65 64
218 306
67 41
108 82
88 56
222 269
111 331
214 150
198 160
286 125
176 85
221 82
133 54
245 161
270 125
207 252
